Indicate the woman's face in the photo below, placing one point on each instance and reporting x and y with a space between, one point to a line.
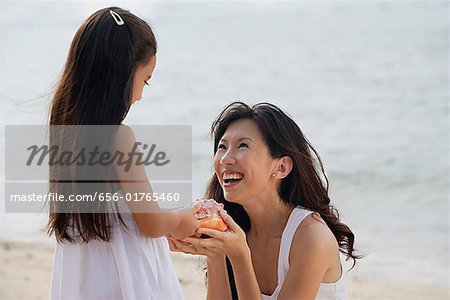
142 75
243 164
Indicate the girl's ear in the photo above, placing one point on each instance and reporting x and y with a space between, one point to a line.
284 167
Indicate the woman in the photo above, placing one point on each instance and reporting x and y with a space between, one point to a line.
104 250
286 241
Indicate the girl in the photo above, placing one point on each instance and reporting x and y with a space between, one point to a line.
287 237
103 254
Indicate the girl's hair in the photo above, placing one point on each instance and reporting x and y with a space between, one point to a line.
96 89
305 186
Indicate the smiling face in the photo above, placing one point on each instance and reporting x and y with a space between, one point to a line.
142 75
242 163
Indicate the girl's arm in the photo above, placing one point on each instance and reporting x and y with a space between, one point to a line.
313 251
150 218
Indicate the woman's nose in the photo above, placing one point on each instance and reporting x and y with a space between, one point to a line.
228 158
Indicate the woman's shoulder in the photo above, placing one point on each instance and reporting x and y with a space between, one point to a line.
313 236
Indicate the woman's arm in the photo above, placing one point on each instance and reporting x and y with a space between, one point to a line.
218 284
313 251
245 277
233 244
150 218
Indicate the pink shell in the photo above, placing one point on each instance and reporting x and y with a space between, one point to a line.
209 208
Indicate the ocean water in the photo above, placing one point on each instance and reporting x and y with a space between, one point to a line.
367 82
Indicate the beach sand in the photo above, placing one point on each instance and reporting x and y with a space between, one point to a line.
26 268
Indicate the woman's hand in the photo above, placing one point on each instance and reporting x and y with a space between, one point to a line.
231 242
177 245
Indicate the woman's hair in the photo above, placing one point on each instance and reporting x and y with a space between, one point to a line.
305 186
96 89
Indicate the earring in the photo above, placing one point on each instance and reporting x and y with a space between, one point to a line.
273 175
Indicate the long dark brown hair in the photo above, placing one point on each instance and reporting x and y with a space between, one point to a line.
96 89
305 186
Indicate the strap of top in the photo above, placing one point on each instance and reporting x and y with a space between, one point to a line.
298 214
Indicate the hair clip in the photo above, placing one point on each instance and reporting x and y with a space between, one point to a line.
117 17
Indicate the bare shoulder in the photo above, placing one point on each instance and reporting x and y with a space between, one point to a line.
314 236
312 255
124 137
124 131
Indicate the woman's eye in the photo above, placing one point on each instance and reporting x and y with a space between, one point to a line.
145 81
221 146
243 145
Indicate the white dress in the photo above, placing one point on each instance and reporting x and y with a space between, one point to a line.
327 291
129 266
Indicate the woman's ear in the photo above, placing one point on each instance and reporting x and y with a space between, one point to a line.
284 167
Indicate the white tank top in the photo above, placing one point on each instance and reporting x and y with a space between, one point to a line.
327 291
129 266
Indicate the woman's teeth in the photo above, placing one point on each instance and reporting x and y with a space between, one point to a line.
232 177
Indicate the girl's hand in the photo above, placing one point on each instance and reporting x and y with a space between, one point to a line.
231 242
188 223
